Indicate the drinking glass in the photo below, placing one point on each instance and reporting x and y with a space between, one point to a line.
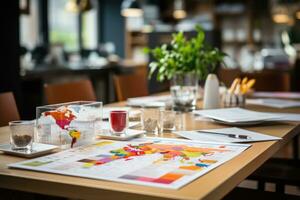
183 90
118 121
150 120
179 121
167 120
22 134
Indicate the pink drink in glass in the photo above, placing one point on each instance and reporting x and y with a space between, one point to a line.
118 121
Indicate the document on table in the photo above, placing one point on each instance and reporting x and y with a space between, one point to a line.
282 95
156 162
287 117
236 115
224 136
274 103
158 101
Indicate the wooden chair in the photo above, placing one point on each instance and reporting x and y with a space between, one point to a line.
227 76
8 108
270 80
266 80
72 91
250 194
280 171
131 85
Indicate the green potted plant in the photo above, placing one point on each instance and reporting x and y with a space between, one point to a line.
184 62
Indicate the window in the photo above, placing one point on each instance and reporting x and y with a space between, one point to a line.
64 26
89 28
29 33
75 31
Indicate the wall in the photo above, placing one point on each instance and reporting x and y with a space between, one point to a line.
9 49
112 24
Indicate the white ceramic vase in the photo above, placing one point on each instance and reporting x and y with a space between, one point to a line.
211 98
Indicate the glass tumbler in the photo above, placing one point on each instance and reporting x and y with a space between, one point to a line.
118 120
167 120
150 120
22 134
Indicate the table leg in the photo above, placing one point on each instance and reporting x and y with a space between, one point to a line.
296 147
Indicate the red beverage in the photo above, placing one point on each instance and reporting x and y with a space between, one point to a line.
118 120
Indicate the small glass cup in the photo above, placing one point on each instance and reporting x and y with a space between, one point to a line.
179 121
22 134
167 120
150 120
118 120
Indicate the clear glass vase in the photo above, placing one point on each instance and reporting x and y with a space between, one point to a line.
184 89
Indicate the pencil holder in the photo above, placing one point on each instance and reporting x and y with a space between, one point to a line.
233 100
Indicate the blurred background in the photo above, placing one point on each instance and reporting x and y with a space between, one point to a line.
56 41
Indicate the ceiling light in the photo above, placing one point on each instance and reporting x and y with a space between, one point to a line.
298 14
179 11
131 8
72 6
281 14
75 6
281 18
179 14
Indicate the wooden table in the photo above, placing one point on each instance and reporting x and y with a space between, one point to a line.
213 185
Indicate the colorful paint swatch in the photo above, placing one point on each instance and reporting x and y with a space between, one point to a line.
192 167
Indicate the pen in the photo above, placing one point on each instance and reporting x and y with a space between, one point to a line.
239 136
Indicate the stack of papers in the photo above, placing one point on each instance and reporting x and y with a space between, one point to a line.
153 101
274 103
237 116
223 137
287 117
282 95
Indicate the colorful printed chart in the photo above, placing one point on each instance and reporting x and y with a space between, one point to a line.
158 162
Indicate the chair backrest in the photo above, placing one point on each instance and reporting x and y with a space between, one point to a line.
227 76
131 85
73 91
266 80
271 80
8 108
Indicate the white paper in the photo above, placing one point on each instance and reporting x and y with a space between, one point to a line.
207 137
282 95
158 101
236 115
287 117
130 133
156 162
274 103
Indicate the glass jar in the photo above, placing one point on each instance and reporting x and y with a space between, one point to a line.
150 119
184 88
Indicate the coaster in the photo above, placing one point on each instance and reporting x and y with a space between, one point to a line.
130 133
38 149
